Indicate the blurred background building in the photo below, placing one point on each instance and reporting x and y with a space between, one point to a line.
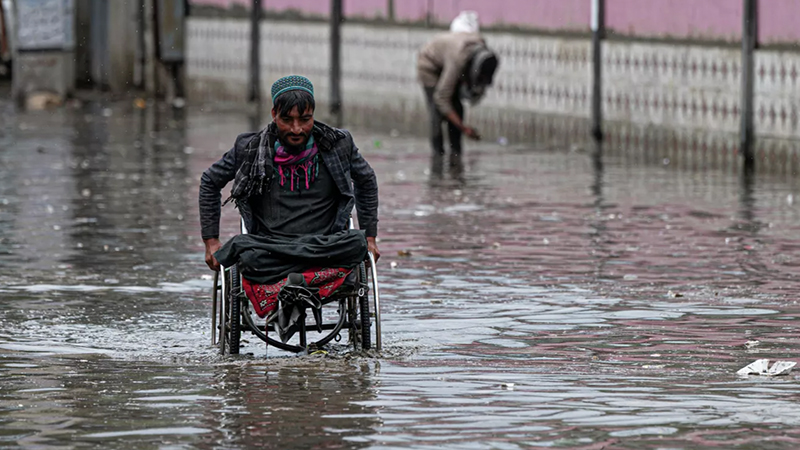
56 46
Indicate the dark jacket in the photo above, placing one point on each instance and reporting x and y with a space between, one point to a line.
353 176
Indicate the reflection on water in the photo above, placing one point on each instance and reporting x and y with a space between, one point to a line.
543 299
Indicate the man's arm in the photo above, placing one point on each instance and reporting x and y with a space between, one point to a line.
452 75
365 188
211 183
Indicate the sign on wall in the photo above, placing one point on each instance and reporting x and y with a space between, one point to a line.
45 24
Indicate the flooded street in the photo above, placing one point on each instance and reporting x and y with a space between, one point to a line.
543 299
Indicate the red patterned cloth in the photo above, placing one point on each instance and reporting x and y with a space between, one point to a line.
264 297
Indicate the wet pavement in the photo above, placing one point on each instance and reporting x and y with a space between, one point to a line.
545 298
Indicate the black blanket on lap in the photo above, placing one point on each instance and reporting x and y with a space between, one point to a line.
267 260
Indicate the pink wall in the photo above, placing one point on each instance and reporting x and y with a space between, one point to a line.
700 19
352 8
540 14
779 21
704 19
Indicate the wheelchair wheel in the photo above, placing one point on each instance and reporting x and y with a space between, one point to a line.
363 308
230 313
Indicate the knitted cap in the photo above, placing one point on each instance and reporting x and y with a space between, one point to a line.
291 83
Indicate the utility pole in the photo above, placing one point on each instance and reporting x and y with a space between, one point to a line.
336 61
749 43
254 94
598 33
141 46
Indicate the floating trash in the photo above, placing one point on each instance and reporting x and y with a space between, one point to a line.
761 367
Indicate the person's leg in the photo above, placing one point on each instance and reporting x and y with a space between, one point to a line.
454 133
436 119
436 135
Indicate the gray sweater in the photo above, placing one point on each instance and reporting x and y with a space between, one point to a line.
442 63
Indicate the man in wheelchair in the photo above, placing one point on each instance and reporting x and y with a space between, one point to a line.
295 184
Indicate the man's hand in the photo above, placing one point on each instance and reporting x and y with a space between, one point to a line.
472 133
212 245
372 247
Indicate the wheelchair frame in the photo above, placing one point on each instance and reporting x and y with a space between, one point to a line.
232 306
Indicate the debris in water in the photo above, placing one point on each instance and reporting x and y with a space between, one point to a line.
507 386
674 294
392 264
751 344
42 100
404 253
140 103
761 367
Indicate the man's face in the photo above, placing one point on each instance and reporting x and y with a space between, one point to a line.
294 128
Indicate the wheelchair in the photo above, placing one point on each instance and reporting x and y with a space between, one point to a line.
347 308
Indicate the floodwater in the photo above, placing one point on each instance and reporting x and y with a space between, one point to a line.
544 298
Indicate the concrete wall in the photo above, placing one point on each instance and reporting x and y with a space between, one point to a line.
695 87
122 40
542 89
47 71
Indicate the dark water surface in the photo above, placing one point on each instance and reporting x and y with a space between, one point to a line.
545 299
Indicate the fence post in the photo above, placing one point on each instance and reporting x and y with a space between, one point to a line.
336 62
254 91
749 42
598 33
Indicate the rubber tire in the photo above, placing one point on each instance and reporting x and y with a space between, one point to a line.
363 309
221 312
235 332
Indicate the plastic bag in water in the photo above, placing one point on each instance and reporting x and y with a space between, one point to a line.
761 367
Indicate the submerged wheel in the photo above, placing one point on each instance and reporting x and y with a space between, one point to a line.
234 317
354 329
363 308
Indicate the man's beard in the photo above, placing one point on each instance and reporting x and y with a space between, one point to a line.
292 148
